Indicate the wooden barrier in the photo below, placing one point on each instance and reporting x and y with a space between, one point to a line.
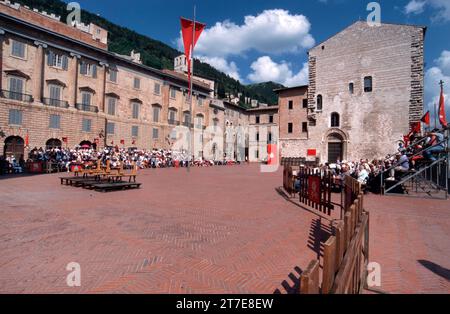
288 180
315 189
346 252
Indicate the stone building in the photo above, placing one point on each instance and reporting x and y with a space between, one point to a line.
60 86
263 130
365 88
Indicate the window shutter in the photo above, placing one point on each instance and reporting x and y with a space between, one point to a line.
65 63
50 58
83 68
94 71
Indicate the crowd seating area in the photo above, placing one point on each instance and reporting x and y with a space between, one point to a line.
63 159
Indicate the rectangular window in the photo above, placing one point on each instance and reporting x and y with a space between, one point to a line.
135 131
270 119
110 128
18 49
86 98
87 125
172 115
157 89
305 103
156 114
112 106
199 123
88 69
155 134
257 154
351 88
55 92
135 108
113 75
304 127
291 105
186 117
368 84
257 119
16 88
173 93
137 83
57 60
55 121
290 128
257 137
200 101
15 117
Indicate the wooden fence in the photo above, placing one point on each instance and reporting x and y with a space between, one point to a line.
315 189
346 253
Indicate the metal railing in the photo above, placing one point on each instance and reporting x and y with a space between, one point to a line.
55 103
87 108
174 122
429 178
16 96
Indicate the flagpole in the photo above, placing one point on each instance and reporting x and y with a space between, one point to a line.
435 116
191 64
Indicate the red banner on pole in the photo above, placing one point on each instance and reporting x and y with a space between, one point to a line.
442 115
190 38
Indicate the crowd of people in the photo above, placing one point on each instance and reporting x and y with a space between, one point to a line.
64 158
413 150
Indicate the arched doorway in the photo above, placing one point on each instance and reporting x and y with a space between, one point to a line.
14 145
53 143
335 147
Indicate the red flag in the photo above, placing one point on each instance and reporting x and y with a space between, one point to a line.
190 38
27 140
426 118
122 142
442 117
64 139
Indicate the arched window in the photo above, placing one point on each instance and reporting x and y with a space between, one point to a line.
319 103
368 84
335 123
53 143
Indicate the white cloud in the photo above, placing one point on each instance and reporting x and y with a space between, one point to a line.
415 7
223 65
272 31
444 62
265 69
442 7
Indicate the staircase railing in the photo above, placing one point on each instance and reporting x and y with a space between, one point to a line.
431 178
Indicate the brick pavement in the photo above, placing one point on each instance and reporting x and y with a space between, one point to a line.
221 230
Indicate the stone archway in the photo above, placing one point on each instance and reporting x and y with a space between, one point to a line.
335 145
15 146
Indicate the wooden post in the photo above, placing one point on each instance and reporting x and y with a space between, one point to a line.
339 233
329 263
309 280
347 228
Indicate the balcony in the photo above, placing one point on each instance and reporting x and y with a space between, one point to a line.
16 96
174 122
87 108
55 103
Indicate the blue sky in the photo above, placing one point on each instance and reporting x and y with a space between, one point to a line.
260 40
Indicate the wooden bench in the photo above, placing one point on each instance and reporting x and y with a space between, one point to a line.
108 187
70 180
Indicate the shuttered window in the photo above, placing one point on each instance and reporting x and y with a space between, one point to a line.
87 125
55 121
16 88
15 117
112 106
135 108
18 49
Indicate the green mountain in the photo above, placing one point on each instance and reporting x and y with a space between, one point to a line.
156 54
265 90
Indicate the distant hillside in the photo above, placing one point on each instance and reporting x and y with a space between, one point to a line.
155 53
265 90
